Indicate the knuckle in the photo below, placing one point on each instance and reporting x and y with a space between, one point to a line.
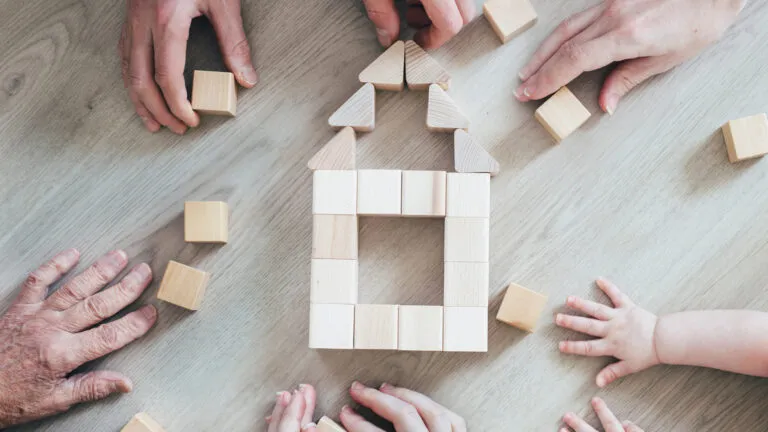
240 49
33 280
109 336
90 389
436 417
71 292
631 29
162 78
102 273
567 26
97 307
588 348
573 51
408 411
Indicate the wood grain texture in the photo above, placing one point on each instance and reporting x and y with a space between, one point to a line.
357 112
509 18
420 328
470 157
206 222
376 326
443 115
422 70
337 154
424 193
387 72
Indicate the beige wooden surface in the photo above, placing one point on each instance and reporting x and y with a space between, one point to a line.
646 197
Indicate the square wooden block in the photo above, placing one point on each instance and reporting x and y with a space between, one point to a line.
469 195
334 237
331 326
746 138
206 222
334 192
521 307
509 18
142 422
214 93
465 329
466 239
376 326
466 284
334 281
562 114
420 328
379 192
325 424
424 193
183 286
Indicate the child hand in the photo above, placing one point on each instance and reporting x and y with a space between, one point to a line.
607 419
293 412
625 331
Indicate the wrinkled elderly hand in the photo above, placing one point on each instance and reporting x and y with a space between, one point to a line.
607 419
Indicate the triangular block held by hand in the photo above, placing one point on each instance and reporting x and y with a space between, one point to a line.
469 157
337 154
387 72
443 115
358 112
421 69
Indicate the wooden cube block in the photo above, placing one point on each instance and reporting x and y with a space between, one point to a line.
379 192
142 422
214 93
183 286
465 329
469 195
334 192
562 114
521 307
387 72
334 281
420 328
331 326
509 18
465 284
424 193
206 222
466 239
327 425
746 138
376 326
334 237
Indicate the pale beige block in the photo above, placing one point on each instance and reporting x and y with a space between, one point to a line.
327 425
206 222
420 328
465 329
387 72
183 286
562 114
466 239
521 307
334 237
469 195
337 154
421 69
358 112
470 157
379 192
376 326
465 284
333 281
331 326
334 192
214 93
424 193
142 422
443 115
509 18
746 138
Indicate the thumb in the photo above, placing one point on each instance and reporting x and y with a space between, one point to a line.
228 23
612 372
627 75
384 16
91 386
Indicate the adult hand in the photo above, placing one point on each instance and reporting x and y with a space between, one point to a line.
42 340
437 21
607 419
625 331
648 37
293 412
153 50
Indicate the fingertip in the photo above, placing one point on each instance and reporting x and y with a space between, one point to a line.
248 77
600 381
596 401
125 385
562 345
149 312
71 254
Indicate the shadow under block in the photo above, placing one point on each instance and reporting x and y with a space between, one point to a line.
562 114
334 192
465 329
338 154
470 157
521 307
466 239
379 192
334 237
206 222
387 72
466 284
358 112
469 195
421 69
420 328
325 424
376 326
333 281
443 115
509 18
424 193
183 286
214 93
746 138
331 326
142 422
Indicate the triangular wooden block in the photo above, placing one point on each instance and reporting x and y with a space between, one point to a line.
358 112
388 70
442 113
469 157
337 154
421 69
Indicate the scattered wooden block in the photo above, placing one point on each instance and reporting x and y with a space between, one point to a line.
338 154
331 326
443 115
469 195
562 114
214 93
465 329
376 326
334 192
746 138
183 286
470 157
327 425
509 18
334 237
521 307
333 281
379 192
358 112
420 328
466 239
142 422
421 69
206 222
387 72
424 193
465 284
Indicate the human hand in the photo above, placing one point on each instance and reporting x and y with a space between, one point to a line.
437 21
607 419
625 331
647 37
161 27
42 340
293 412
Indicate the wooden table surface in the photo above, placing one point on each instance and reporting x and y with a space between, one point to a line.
646 197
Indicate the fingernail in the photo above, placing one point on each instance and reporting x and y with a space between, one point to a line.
568 416
144 271
346 409
308 425
523 75
149 312
357 386
302 388
250 76
518 92
179 130
561 345
383 386
384 38
71 254
268 418
600 383
610 104
283 398
118 257
558 318
527 91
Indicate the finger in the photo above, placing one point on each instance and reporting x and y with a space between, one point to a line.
283 399
436 417
592 348
354 422
403 416
612 372
446 23
631 427
628 75
607 419
88 387
466 9
588 326
597 310
228 24
35 287
384 16
88 282
146 117
416 16
612 291
291 420
577 423
310 399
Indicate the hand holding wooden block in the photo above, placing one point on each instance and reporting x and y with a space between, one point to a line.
183 286
206 222
562 114
376 326
746 138
214 93
142 422
521 307
509 18
387 72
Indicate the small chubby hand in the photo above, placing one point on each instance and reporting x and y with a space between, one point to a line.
609 421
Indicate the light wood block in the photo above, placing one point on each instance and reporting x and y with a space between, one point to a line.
376 326
420 328
214 93
358 112
331 326
562 114
338 154
466 239
379 192
746 138
421 69
424 193
470 157
183 286
142 422
334 192
465 284
443 115
333 281
469 195
509 18
521 307
387 72
465 329
206 222
327 425
334 237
